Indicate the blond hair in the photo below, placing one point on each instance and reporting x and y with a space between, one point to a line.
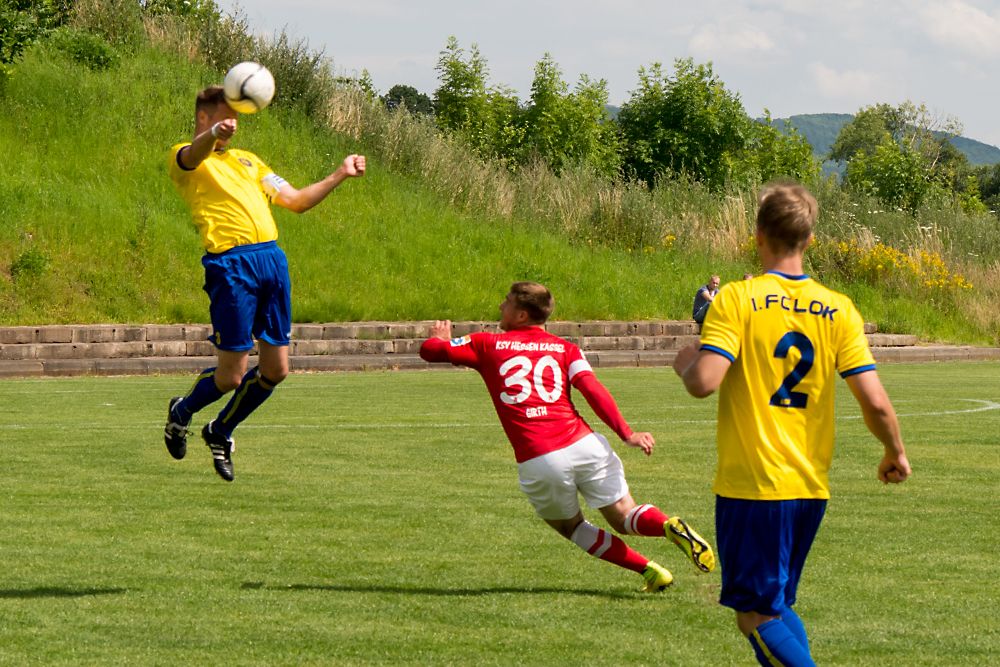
786 215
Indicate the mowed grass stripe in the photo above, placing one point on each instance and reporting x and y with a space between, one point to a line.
412 545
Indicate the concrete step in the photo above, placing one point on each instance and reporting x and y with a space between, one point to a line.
160 333
343 346
370 362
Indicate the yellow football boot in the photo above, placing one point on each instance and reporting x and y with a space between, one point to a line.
657 578
690 543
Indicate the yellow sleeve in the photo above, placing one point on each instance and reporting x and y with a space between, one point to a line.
177 172
722 331
262 169
853 355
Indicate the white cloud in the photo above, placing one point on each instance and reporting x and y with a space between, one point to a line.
847 85
712 41
963 26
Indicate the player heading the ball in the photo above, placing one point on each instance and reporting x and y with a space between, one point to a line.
246 273
773 346
529 373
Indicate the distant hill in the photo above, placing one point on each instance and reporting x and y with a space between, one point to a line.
821 129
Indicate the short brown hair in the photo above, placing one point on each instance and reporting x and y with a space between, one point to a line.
534 299
209 100
786 215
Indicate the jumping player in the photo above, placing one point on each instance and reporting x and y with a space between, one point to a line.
528 373
246 274
774 344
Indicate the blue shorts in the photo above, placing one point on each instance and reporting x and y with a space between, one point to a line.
763 545
251 296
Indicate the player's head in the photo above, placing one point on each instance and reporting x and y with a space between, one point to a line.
747 276
785 217
210 108
714 282
527 304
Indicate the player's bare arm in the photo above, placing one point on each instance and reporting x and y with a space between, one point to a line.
701 370
880 418
300 201
210 132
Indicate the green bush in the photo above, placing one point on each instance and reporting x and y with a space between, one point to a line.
31 263
86 48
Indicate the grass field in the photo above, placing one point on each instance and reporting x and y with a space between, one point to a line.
375 520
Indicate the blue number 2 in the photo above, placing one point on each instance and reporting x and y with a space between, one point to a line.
785 397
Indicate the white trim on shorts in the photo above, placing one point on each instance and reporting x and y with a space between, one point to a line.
589 467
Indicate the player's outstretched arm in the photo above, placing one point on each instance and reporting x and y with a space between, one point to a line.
880 418
204 143
603 404
302 200
701 370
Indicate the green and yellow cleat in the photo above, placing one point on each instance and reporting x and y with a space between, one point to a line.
657 578
691 543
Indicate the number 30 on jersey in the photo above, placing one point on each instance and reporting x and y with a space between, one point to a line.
521 366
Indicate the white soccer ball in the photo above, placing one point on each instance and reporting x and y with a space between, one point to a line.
248 87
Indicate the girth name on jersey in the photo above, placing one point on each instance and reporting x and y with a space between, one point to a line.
529 347
817 308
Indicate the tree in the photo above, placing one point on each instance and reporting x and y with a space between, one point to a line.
415 102
684 123
907 141
566 127
895 176
487 117
771 153
988 184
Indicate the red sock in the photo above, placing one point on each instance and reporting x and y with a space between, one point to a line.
645 520
604 545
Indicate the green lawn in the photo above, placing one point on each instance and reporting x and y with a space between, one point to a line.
376 520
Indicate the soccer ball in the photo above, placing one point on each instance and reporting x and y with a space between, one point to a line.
248 87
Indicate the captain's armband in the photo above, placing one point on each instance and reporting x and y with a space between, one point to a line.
272 185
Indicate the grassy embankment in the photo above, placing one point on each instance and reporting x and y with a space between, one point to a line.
91 229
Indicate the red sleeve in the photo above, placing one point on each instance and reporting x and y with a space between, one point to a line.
434 350
602 403
459 351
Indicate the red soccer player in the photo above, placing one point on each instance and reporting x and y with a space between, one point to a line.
528 373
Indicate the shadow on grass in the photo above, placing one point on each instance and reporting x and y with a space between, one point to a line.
446 592
56 592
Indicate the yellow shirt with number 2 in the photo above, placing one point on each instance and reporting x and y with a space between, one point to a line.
226 197
787 337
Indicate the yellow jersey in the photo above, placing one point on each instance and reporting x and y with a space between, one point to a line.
226 198
787 337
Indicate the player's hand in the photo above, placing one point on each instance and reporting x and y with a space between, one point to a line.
643 441
894 469
354 165
441 329
225 129
684 359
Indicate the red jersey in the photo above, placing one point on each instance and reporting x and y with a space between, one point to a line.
528 374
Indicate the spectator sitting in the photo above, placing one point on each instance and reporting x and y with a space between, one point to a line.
703 299
747 276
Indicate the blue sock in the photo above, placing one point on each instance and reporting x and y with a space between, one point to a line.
203 393
794 624
248 397
776 646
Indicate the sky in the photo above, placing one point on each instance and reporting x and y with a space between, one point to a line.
789 56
